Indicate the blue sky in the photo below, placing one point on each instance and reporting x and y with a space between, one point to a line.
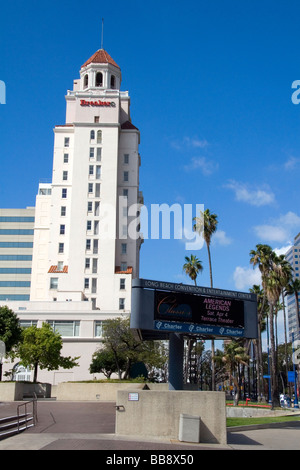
210 86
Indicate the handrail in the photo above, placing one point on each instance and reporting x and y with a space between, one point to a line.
34 411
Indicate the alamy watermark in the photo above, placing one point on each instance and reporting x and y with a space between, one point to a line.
158 222
2 92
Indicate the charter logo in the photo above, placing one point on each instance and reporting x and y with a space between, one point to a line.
2 92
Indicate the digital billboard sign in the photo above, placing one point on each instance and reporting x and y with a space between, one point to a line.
189 308
160 308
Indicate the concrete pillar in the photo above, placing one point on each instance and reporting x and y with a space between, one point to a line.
176 350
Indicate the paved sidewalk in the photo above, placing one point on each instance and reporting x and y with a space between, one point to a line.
91 426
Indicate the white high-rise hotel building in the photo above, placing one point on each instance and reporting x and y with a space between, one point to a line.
83 257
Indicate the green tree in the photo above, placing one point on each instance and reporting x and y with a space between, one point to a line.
233 356
10 330
103 361
41 347
262 308
192 267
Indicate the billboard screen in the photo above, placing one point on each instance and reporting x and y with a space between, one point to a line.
196 309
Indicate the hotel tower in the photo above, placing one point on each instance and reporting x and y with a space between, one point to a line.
86 232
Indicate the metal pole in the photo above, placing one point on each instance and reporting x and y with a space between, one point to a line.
296 405
176 349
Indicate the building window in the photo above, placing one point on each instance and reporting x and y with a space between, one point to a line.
124 248
95 266
112 81
122 284
61 247
125 192
27 323
92 135
92 152
87 263
95 247
99 137
53 282
126 159
66 158
88 244
99 79
65 176
90 188
67 142
125 176
96 227
91 170
89 225
99 153
62 229
123 266
86 283
94 286
64 193
99 328
98 172
96 119
97 209
65 327
60 266
86 81
121 304
90 207
63 211
97 193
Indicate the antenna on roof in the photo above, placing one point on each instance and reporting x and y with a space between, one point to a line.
102 34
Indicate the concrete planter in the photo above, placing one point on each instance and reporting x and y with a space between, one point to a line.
42 390
11 391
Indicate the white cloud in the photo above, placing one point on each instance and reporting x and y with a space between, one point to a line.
221 238
281 230
283 250
291 163
190 142
271 233
245 278
255 197
201 163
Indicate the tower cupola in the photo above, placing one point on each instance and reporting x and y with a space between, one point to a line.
100 71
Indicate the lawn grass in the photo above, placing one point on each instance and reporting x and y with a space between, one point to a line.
231 422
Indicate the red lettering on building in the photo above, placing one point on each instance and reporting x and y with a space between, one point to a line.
97 103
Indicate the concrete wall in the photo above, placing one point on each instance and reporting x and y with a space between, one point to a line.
97 391
157 414
11 391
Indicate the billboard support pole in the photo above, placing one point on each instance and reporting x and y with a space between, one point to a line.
176 351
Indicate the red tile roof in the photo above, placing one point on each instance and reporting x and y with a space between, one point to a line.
100 57
118 270
53 269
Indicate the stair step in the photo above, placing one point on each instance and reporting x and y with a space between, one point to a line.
10 418
14 424
13 432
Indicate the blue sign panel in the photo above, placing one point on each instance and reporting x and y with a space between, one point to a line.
191 328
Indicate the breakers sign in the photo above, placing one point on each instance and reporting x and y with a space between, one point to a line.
108 104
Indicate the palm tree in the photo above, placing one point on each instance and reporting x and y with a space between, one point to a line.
274 274
293 287
262 312
234 355
207 224
192 267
